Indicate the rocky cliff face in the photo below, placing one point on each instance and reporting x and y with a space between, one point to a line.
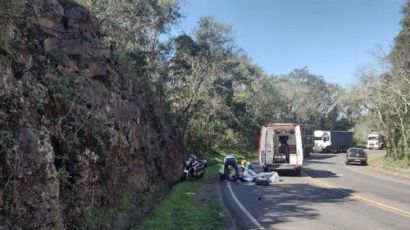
82 141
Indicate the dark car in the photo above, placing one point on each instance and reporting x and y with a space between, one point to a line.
356 155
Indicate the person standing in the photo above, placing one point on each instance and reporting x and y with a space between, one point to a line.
230 160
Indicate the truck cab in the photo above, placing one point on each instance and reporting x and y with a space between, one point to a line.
319 143
332 141
375 141
280 147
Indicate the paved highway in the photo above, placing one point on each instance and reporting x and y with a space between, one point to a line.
329 195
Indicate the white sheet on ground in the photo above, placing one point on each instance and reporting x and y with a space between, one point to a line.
250 175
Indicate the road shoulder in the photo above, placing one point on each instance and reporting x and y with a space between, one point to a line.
377 165
230 223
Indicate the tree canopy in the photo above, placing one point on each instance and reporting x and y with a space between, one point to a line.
219 98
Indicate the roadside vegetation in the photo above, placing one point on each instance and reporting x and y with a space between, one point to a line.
218 157
190 205
380 101
395 167
219 98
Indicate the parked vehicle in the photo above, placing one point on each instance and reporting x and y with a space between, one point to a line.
356 155
332 141
280 147
375 140
193 168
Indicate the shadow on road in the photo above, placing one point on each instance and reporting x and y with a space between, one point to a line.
318 162
317 173
354 164
322 156
281 203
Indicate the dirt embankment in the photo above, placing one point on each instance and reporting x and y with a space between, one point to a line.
81 140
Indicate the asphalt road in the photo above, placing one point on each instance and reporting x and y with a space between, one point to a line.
329 195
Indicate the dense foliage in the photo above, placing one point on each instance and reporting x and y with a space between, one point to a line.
220 98
381 98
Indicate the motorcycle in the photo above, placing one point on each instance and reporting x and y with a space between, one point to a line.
193 168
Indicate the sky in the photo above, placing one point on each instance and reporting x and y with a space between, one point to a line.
333 38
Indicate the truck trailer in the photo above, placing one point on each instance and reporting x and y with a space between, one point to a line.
332 141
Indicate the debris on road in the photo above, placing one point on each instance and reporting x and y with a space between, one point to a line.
262 181
247 174
265 178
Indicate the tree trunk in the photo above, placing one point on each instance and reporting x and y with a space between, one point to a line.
404 133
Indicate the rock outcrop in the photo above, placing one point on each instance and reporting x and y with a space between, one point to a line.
82 141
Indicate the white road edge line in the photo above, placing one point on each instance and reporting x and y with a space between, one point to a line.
258 225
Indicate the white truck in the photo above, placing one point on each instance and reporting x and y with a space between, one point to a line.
332 141
280 147
375 140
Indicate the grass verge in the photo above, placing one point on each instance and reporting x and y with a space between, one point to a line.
187 208
400 167
248 155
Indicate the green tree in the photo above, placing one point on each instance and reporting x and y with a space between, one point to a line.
198 82
135 24
310 99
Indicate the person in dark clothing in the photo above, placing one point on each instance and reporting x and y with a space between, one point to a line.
284 147
230 160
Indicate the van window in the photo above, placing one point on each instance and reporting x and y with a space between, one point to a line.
325 138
